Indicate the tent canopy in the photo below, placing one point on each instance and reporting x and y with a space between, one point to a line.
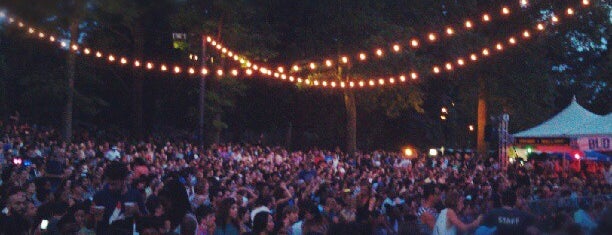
573 121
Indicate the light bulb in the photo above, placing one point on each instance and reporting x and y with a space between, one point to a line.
220 72
111 58
436 69
586 2
391 80
149 65
402 78
450 31
328 63
177 69
460 61
414 43
164 68
344 59
281 69
486 18
570 11
313 66
296 68
473 57
379 52
414 75
204 71
234 72
499 47
137 63
449 66
432 37
249 72
485 51
505 10
123 61
540 26
468 24
86 51
396 48
526 34
362 56
512 40
191 71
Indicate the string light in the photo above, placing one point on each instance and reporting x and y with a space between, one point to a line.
526 34
344 59
554 19
450 31
396 48
414 43
468 24
486 18
432 37
512 40
505 10
436 69
460 61
414 75
265 71
379 52
499 47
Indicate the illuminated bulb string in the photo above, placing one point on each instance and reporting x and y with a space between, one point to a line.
251 68
414 43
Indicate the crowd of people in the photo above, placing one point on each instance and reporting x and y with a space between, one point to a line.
97 185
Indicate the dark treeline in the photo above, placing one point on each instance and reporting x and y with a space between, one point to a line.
531 81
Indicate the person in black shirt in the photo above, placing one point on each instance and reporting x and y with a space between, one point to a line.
12 219
510 221
112 199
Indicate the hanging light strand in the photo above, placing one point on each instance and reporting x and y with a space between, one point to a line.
250 68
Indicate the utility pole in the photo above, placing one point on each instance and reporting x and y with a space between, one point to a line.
202 94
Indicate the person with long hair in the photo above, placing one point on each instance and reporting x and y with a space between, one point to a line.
227 218
448 220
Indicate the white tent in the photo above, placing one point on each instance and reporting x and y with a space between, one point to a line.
573 121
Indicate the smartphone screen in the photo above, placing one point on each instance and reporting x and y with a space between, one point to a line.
44 224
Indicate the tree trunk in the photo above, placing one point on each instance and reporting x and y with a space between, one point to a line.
70 74
481 145
137 85
202 100
351 121
218 128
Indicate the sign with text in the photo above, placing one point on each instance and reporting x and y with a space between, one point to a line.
542 141
595 143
